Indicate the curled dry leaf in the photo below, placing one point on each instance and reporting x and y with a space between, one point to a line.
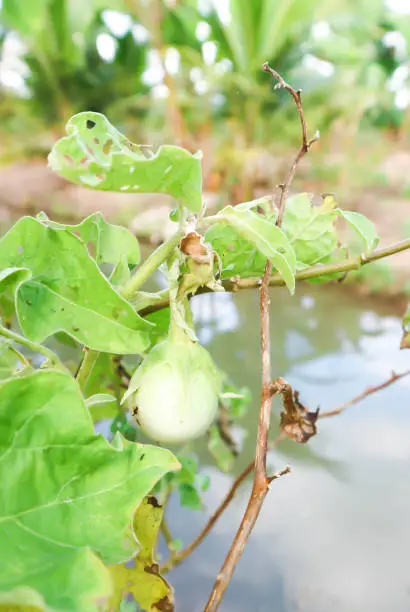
296 421
199 265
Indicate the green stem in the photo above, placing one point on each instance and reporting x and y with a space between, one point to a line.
167 534
87 365
37 348
150 265
20 356
238 284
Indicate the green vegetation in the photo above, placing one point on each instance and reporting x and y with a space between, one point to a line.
71 499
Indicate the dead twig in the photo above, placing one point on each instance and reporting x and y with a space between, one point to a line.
358 398
306 142
261 481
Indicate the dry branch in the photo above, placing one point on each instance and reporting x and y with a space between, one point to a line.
261 481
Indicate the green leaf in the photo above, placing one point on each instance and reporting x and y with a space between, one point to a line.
96 155
103 380
68 496
112 244
365 229
405 341
248 237
142 581
220 451
98 399
189 497
161 319
59 287
6 308
310 229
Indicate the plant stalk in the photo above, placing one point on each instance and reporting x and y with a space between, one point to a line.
34 346
149 266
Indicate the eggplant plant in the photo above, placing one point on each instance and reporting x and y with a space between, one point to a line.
80 513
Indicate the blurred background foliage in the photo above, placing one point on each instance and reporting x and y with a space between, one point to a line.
188 72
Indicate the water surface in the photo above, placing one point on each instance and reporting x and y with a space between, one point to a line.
334 535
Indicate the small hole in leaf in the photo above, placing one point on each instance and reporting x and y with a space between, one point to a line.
90 124
107 146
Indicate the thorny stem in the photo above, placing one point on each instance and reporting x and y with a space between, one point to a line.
238 284
179 557
37 348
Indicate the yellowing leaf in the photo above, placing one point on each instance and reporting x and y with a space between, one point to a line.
143 581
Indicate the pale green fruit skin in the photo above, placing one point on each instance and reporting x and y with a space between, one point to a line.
176 392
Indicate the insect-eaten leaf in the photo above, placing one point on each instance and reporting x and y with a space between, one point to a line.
96 155
296 421
405 341
244 240
80 494
59 287
143 580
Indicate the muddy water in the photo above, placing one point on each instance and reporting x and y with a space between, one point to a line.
334 535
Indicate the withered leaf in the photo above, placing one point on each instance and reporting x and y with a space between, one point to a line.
193 245
296 421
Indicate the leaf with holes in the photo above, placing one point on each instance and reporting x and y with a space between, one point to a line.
405 341
364 228
310 229
111 244
96 155
68 496
59 287
143 581
244 240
